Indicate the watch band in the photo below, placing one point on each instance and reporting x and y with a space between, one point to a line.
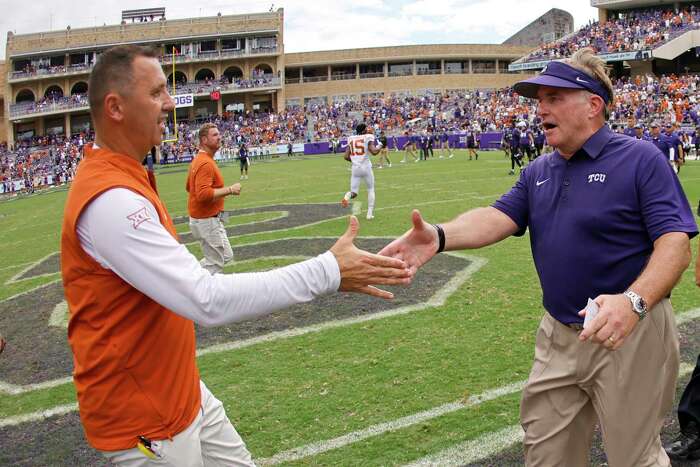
638 304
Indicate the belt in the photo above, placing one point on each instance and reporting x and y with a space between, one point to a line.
219 215
579 326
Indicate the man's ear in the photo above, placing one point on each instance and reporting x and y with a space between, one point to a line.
113 107
597 105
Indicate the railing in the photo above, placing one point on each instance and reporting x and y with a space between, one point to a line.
24 109
75 102
206 88
401 73
342 76
673 33
315 79
166 59
233 53
292 80
263 50
434 71
56 70
372 74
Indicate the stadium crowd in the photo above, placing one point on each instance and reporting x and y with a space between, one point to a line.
60 102
49 103
636 30
225 83
40 161
641 100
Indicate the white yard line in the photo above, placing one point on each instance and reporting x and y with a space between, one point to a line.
469 451
381 428
40 415
688 315
16 277
475 450
15 389
17 265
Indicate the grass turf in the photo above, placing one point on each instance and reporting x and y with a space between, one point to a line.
295 391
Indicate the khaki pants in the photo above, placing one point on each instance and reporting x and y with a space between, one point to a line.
214 242
211 440
573 385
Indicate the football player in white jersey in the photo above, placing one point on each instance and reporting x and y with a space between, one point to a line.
359 147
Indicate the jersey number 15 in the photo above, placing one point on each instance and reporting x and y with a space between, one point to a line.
358 148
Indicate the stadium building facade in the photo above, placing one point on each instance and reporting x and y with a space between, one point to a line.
549 27
227 62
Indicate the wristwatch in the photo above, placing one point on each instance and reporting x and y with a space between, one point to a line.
639 305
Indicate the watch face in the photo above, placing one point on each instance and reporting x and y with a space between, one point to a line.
641 304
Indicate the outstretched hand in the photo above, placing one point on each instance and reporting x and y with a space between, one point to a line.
361 270
417 246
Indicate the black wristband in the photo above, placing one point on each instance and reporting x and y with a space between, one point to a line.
441 237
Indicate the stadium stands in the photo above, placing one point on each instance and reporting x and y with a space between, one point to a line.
636 30
52 160
44 161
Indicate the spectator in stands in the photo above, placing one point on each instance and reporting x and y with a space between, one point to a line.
632 31
641 99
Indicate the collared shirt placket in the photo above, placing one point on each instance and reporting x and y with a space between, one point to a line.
566 182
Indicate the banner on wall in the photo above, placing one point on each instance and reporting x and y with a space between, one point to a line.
184 100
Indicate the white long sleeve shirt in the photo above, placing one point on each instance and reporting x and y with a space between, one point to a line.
121 230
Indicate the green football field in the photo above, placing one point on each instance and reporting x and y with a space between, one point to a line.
379 385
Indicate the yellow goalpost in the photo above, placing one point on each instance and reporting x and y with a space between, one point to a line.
175 136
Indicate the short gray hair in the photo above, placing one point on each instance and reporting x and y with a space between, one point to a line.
588 62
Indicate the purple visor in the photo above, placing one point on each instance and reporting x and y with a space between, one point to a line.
561 75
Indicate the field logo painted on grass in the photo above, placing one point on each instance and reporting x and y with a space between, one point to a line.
35 322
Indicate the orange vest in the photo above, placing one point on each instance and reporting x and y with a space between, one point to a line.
204 175
134 360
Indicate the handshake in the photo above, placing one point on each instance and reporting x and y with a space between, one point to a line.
396 264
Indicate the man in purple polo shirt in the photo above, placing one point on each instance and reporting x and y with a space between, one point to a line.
608 220
675 148
630 128
658 139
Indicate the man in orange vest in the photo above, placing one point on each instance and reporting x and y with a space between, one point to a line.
139 393
205 201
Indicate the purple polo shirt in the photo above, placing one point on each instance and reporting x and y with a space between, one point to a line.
672 141
594 218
